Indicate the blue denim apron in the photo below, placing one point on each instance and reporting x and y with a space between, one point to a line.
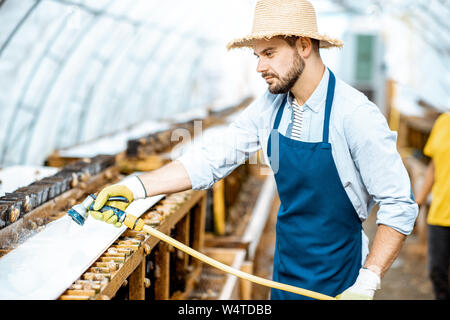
318 232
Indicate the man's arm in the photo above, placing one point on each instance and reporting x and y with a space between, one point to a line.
170 178
207 160
373 148
385 249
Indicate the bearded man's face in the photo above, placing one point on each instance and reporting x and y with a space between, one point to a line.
279 64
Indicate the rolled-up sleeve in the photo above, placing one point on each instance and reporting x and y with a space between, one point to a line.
373 148
218 152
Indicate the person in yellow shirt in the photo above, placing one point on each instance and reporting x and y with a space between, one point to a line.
437 180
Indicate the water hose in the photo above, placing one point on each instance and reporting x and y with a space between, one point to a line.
134 223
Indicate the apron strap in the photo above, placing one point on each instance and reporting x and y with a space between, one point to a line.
280 113
328 104
276 124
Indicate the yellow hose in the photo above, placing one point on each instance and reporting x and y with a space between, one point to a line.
134 223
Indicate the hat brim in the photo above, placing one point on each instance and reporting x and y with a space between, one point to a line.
325 41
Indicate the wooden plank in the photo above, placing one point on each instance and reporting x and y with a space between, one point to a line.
55 160
245 285
148 163
230 290
173 218
191 280
199 225
390 98
234 258
182 235
4 251
183 271
226 242
74 297
89 293
149 244
136 282
224 255
123 273
162 272
219 207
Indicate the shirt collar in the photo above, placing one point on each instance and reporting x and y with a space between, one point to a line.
317 99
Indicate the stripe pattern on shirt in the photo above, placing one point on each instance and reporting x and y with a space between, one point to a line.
297 125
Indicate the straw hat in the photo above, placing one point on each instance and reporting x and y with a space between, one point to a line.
284 18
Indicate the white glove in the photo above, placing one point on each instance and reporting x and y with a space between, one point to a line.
363 288
131 188
136 187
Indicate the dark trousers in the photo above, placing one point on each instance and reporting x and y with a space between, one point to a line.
439 260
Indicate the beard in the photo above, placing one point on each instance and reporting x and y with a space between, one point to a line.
285 84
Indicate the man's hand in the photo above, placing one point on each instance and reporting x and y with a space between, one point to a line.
363 288
131 188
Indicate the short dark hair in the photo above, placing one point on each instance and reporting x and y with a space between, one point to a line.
291 40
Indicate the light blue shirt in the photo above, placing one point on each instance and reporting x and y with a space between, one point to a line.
363 147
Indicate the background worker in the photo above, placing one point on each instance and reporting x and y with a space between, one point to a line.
330 149
437 180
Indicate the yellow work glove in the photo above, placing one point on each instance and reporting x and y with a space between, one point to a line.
363 288
130 188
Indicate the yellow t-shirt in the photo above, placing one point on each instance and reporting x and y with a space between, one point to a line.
438 148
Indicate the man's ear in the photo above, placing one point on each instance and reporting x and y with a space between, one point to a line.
304 47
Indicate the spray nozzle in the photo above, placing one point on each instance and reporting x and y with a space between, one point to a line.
80 212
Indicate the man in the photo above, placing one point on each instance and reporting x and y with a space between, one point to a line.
332 153
437 179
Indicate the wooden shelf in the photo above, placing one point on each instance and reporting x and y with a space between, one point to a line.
133 247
